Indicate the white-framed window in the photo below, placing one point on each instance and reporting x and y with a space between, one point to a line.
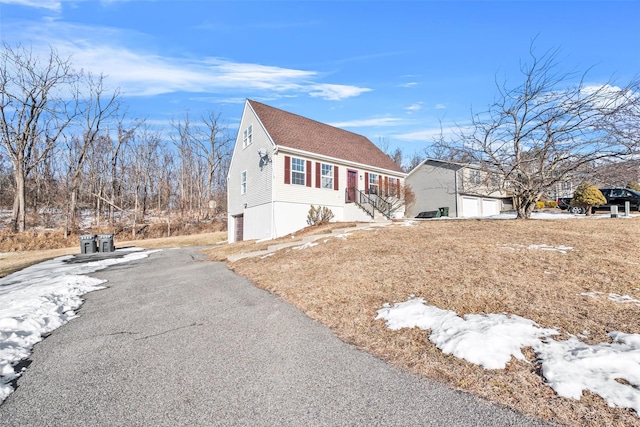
393 186
326 178
373 183
247 136
494 180
243 182
475 177
297 171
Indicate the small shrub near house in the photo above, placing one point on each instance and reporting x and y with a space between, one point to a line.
551 204
587 196
319 215
539 205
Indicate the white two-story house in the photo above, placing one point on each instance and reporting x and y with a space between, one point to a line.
464 189
283 163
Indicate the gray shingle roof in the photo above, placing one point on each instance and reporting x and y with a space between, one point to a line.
297 132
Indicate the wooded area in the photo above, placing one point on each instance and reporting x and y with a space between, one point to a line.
68 146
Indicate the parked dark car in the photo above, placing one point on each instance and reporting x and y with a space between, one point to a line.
614 196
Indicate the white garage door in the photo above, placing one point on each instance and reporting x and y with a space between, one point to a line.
490 207
470 207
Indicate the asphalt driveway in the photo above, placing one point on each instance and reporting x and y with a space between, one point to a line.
176 340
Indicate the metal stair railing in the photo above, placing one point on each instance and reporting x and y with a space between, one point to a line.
381 205
352 194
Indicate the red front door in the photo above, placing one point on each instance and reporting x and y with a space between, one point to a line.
352 183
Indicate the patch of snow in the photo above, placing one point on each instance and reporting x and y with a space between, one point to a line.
591 294
543 247
39 299
267 255
486 340
306 245
342 236
622 299
569 366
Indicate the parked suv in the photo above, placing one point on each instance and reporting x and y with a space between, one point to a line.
614 196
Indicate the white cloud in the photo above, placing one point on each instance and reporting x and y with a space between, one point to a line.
140 73
409 84
429 134
607 96
414 107
383 121
41 4
335 92
440 107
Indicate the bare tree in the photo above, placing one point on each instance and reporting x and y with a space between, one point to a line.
543 131
215 146
96 107
35 109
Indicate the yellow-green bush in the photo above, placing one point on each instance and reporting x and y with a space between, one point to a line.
551 204
587 196
539 204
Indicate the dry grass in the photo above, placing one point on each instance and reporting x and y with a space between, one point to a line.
470 267
222 252
17 260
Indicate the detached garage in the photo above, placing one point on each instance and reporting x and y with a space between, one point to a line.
466 190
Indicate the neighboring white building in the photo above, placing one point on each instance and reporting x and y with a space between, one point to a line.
466 190
283 163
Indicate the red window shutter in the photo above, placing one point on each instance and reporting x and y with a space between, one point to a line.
380 185
336 185
287 170
366 183
397 187
318 175
386 186
308 173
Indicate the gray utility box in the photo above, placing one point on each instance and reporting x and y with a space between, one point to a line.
105 243
88 244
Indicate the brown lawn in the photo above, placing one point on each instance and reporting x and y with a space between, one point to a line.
17 260
470 266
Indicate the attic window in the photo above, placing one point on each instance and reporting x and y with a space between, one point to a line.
247 137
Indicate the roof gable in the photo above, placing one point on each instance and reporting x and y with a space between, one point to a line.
297 132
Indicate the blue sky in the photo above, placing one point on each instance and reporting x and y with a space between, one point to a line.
381 69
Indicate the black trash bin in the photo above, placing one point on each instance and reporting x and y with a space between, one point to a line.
88 244
105 243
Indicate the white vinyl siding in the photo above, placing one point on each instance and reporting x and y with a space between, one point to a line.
259 182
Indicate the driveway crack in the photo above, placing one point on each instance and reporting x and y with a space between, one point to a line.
168 331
